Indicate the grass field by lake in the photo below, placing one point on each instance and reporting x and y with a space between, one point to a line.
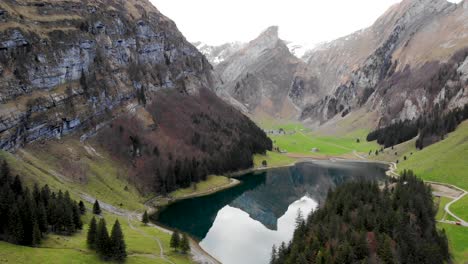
300 140
212 182
273 159
458 241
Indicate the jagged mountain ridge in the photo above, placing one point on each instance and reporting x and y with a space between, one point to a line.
267 78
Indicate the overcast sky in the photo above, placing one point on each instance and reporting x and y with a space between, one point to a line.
304 21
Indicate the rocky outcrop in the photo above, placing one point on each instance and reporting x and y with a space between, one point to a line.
66 65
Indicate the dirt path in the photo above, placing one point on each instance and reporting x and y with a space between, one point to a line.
135 216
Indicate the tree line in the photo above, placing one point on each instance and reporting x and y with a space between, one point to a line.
362 222
431 127
26 217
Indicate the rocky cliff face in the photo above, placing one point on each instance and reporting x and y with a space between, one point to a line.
65 65
388 67
385 69
122 75
267 78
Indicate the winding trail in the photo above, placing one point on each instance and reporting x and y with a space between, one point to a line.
392 173
447 206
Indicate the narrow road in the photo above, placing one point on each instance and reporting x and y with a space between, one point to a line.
447 206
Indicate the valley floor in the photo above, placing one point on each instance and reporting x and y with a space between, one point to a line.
92 174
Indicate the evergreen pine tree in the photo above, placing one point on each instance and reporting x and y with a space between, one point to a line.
36 194
273 255
17 186
36 236
4 173
103 240
117 243
82 207
15 226
299 218
145 218
77 216
68 220
96 208
184 244
92 234
175 240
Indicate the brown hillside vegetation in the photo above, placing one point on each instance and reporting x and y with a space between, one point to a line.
194 135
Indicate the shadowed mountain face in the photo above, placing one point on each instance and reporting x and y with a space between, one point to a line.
266 196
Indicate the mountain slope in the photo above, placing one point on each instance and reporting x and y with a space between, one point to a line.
64 63
112 69
414 43
267 78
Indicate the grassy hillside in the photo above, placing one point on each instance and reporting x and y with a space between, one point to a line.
458 241
141 246
80 169
446 161
84 169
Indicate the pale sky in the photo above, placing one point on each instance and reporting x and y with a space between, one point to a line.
304 21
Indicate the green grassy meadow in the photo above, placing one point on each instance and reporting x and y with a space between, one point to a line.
458 241
441 202
460 208
300 140
445 161
273 159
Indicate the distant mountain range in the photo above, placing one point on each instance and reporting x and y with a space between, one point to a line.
410 60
